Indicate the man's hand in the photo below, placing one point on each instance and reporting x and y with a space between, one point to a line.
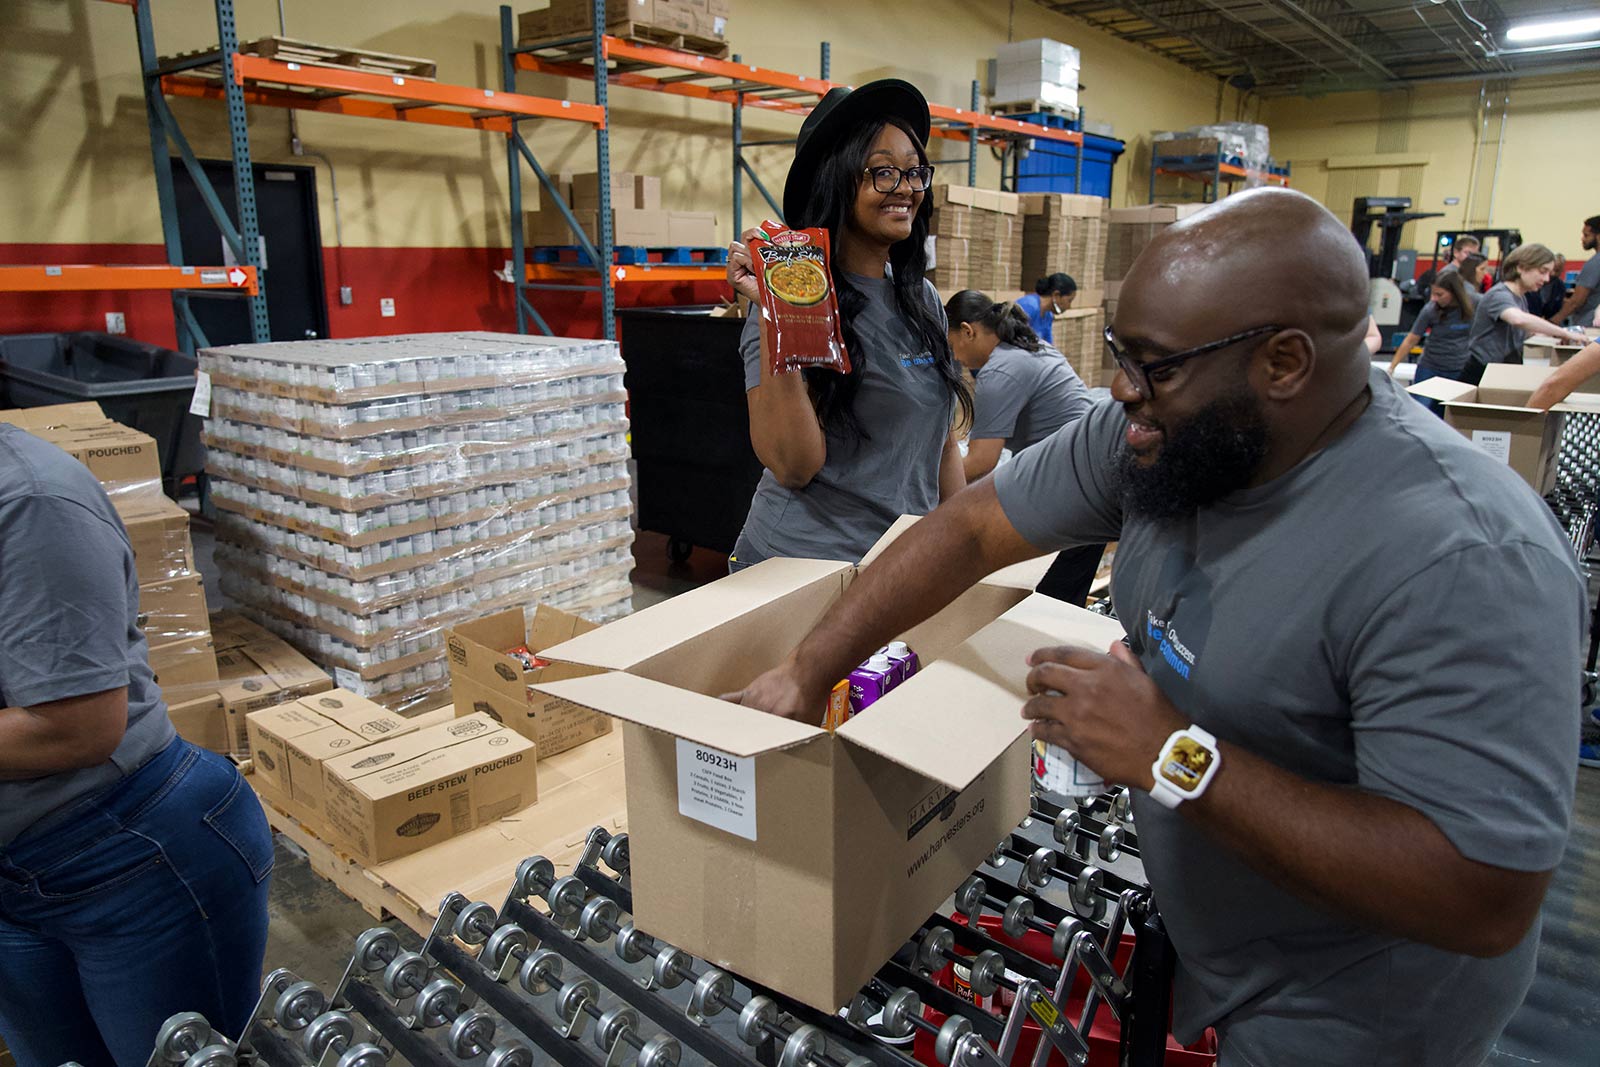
781 691
1103 709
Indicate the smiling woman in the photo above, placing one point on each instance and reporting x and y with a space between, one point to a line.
847 454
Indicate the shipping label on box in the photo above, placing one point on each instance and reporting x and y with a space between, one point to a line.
395 798
798 857
485 680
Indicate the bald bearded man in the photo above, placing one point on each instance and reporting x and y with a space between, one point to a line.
1360 883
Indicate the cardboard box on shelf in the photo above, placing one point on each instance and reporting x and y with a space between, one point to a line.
485 680
293 768
400 796
586 190
692 229
629 227
797 857
647 192
1494 415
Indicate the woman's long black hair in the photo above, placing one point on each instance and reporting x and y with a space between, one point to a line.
830 205
1005 320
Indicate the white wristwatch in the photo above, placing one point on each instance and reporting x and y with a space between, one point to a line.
1189 760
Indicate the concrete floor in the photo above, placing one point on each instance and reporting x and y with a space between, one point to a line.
313 924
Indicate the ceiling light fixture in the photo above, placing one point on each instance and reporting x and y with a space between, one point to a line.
1552 29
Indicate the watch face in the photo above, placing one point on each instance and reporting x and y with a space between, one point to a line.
1184 765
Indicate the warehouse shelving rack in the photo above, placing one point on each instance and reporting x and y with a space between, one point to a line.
606 60
1213 171
239 80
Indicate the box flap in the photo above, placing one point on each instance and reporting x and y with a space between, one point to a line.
622 644
1023 575
737 730
1444 390
958 715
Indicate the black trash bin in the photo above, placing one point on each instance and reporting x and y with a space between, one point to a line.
690 425
140 385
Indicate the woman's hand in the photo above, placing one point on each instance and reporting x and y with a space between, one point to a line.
741 274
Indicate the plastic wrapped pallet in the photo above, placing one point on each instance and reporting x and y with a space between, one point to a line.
375 492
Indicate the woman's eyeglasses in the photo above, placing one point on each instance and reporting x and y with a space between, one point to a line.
888 179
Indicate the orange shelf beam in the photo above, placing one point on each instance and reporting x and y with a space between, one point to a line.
654 55
629 275
73 277
1228 170
201 89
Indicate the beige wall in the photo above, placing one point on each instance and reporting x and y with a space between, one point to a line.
74 147
1348 145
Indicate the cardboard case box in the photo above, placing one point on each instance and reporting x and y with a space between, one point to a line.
256 669
398 797
797 857
201 721
158 529
288 754
484 680
174 609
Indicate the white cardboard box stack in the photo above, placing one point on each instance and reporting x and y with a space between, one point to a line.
1040 71
374 492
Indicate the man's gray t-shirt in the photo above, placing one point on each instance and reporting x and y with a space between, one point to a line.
1491 339
1447 329
864 486
1283 620
1589 278
69 618
1025 396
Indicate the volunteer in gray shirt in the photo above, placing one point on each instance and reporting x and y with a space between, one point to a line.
846 455
1502 321
133 866
1025 392
1358 881
1579 307
1446 321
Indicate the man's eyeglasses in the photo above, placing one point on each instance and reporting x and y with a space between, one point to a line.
1139 374
888 179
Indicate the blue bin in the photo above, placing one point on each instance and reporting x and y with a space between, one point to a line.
140 385
1052 167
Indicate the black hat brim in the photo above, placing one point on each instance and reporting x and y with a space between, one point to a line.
888 98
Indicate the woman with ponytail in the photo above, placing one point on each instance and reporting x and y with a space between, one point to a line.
1026 391
846 455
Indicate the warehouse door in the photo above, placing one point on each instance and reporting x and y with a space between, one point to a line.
286 204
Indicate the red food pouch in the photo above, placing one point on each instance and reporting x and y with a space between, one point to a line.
798 302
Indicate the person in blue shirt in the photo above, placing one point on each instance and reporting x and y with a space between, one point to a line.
1050 297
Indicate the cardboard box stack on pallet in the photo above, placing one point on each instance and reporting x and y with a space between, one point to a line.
1035 75
374 492
376 785
977 239
1128 231
637 218
172 599
694 25
1066 232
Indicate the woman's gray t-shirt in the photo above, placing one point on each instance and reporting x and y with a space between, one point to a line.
1492 340
1025 396
904 407
1447 330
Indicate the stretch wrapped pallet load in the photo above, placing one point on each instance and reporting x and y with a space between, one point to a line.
172 601
1040 73
704 20
1130 229
374 493
1065 232
1246 143
977 239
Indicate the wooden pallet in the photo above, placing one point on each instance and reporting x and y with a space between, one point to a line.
289 50
578 790
639 33
1032 107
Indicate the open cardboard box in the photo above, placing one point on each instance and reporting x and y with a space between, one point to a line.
1494 416
800 858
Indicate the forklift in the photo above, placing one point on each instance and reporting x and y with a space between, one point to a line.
1390 214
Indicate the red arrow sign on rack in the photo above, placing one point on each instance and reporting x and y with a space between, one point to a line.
238 277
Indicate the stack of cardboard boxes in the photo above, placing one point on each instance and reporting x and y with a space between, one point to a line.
376 785
172 599
702 24
1130 229
637 218
375 492
257 669
1065 232
977 240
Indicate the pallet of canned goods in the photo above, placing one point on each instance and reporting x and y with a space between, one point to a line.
374 492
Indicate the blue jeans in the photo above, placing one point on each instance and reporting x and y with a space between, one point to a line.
143 901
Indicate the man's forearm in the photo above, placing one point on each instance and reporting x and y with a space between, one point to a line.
1365 858
921 572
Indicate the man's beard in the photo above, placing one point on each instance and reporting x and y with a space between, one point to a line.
1214 452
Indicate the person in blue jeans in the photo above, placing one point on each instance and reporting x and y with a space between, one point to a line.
1445 321
133 866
